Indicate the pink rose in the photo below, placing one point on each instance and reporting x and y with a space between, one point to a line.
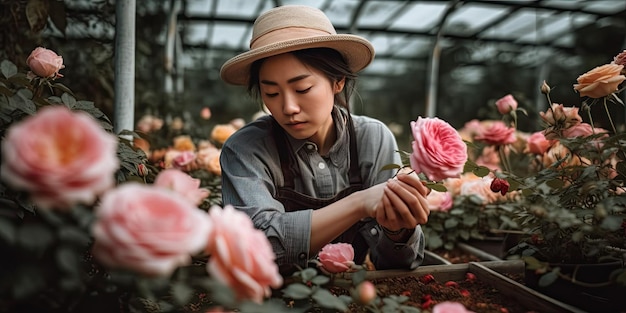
489 157
450 307
61 157
184 158
600 81
183 184
205 113
148 229
241 255
438 150
45 63
537 143
439 201
498 134
337 257
506 104
620 59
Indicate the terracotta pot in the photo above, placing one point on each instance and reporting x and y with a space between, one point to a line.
586 286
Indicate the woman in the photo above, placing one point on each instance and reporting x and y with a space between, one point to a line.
310 173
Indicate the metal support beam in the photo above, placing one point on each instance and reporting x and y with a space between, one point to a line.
124 65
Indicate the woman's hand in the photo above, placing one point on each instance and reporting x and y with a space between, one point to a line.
404 203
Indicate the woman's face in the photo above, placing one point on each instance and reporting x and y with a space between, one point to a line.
300 98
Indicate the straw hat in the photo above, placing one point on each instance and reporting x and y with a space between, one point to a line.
295 27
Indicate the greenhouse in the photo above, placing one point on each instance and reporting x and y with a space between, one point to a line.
313 156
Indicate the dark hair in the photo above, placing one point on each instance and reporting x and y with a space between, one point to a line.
327 60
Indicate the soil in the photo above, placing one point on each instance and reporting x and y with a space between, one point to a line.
424 292
456 256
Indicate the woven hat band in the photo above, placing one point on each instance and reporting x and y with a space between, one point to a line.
285 34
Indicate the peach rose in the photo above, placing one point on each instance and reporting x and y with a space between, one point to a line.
438 150
366 292
600 81
148 229
61 157
337 257
184 143
498 134
537 143
209 158
221 132
480 188
183 184
439 201
240 255
506 104
620 59
450 307
489 158
45 63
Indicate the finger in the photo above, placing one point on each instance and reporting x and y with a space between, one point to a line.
400 209
415 202
415 182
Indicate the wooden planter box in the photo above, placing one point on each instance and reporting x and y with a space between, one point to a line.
490 272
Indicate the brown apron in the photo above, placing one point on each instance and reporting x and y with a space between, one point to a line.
294 201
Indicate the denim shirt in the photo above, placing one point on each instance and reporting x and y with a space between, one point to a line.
251 174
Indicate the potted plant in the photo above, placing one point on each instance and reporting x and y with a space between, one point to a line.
572 205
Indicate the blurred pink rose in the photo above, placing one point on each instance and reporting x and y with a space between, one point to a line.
183 184
558 118
582 130
439 201
600 81
366 292
480 188
183 159
237 123
337 257
450 307
148 229
537 143
241 255
620 59
489 157
506 104
205 113
61 157
498 134
45 63
438 150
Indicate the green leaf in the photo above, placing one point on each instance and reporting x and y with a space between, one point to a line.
297 291
481 171
63 88
437 187
68 259
326 299
7 232
7 68
34 236
451 223
308 273
358 277
434 242
181 292
320 280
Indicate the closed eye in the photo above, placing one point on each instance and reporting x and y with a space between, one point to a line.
305 90
271 95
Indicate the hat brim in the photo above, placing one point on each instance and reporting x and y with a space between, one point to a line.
357 51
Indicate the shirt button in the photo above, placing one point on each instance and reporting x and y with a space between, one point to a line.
302 256
373 231
321 165
310 147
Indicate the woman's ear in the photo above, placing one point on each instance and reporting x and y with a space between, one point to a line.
338 85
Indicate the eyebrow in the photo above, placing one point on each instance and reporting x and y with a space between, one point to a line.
289 81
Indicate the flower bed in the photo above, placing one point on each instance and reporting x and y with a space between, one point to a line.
493 286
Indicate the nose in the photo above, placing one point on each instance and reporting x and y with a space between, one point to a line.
290 105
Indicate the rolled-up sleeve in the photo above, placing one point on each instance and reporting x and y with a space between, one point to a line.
249 171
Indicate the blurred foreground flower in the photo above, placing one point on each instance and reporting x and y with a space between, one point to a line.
61 157
240 255
148 229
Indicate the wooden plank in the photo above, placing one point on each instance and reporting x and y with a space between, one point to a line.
529 297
